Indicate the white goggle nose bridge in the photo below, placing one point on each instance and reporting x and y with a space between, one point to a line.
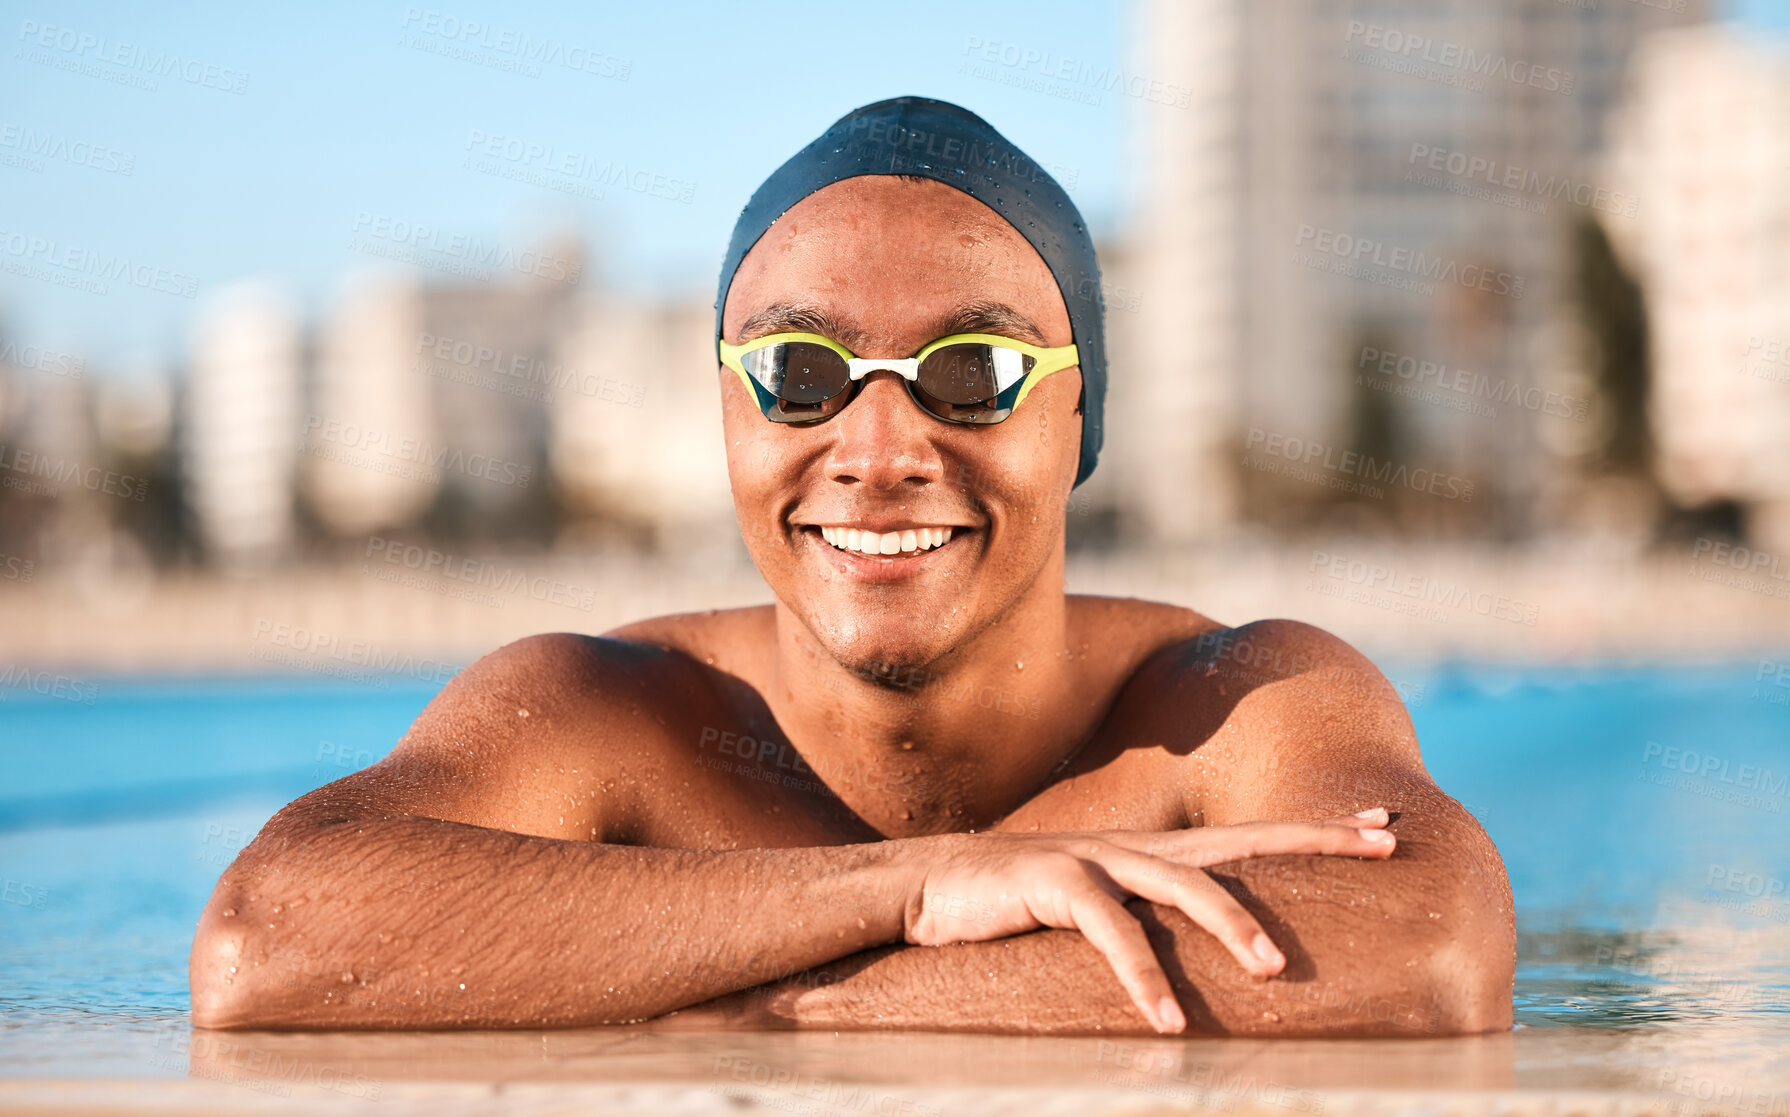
860 367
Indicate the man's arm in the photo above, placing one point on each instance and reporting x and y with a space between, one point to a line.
1279 721
461 882
495 870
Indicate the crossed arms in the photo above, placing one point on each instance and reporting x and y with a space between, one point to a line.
482 876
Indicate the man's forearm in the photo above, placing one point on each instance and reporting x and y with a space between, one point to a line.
1365 956
417 922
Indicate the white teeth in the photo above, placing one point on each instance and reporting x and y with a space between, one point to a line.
907 540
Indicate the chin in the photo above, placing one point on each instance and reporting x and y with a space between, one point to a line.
883 644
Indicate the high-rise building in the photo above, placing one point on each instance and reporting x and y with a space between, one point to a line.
637 421
367 408
242 424
1703 135
1351 190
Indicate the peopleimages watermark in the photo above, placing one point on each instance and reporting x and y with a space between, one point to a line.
1347 469
830 1095
234 1060
47 684
1746 892
1773 351
1639 962
1419 595
26 148
50 362
1072 79
1448 63
38 474
502 48
1211 1086
62 264
1403 268
416 459
1689 1092
425 568
1020 493
1713 777
914 146
219 844
566 171
426 246
325 653
25 895
1729 564
15 568
1525 189
516 374
778 762
1779 674
120 62
1230 653
1427 380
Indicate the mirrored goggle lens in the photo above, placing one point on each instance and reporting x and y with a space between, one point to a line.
810 381
962 383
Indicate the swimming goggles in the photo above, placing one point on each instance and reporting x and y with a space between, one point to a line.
963 378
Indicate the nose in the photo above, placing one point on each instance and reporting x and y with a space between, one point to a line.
882 438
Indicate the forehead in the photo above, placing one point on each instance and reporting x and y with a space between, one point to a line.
891 258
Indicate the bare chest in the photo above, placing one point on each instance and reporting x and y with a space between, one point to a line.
745 792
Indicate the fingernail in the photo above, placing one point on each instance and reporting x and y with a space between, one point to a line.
1379 837
1369 813
1168 1014
1265 949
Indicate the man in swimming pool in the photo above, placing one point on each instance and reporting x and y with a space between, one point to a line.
925 788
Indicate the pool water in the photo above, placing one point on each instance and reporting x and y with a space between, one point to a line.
1643 814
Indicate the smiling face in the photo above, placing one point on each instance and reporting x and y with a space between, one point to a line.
883 266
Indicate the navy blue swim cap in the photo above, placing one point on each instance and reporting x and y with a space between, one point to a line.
941 141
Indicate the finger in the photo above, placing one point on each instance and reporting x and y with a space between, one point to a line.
1118 936
1372 818
1204 901
1214 845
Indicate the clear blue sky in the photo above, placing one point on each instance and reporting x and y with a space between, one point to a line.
342 115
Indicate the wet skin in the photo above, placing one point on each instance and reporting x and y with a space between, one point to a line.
930 790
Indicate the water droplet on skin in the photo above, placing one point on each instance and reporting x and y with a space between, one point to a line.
1020 666
347 978
228 912
521 713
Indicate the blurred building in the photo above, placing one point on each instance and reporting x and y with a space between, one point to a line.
1704 135
366 401
637 443
1352 190
242 427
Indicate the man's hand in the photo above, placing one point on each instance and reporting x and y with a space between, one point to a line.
987 886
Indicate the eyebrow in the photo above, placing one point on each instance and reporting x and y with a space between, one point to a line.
983 317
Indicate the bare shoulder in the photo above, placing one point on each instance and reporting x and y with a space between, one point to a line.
1127 630
1269 718
552 735
729 639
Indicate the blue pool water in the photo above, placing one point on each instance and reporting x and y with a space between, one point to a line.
1644 816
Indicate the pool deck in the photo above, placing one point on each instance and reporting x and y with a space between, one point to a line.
1525 605
1557 1071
